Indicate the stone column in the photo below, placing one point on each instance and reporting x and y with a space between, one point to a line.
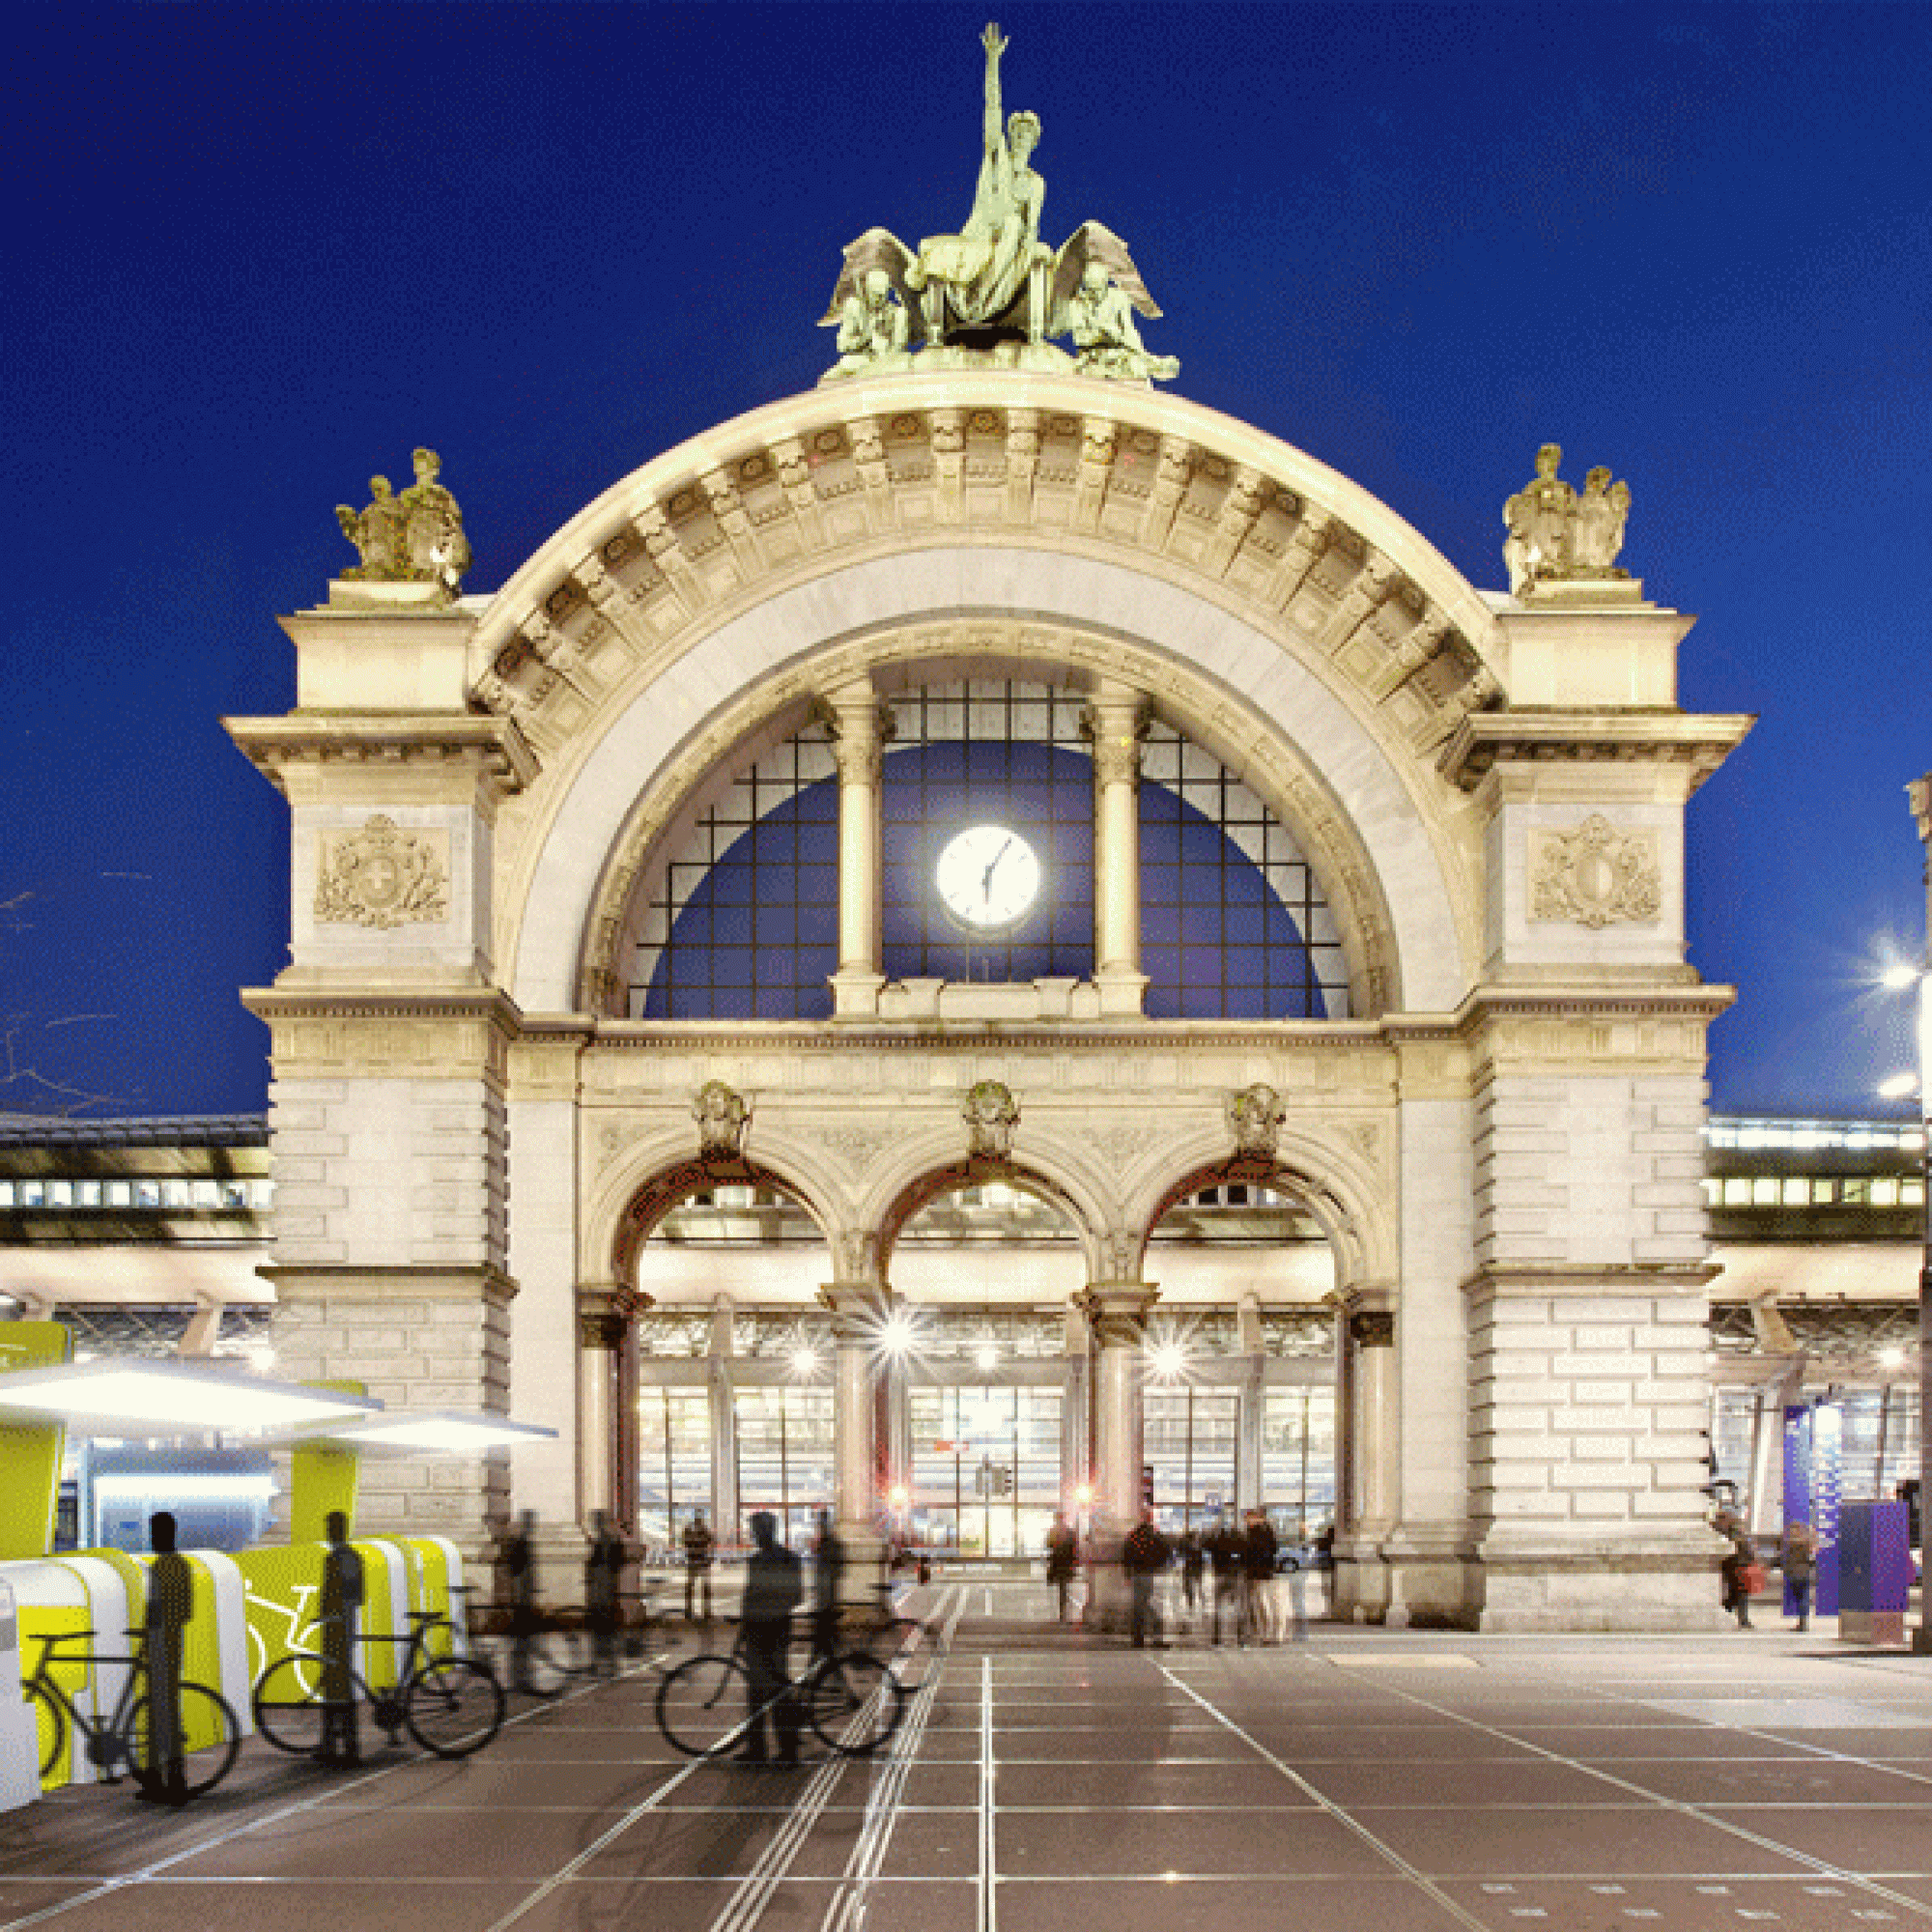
1076 1459
1369 1421
1117 1313
1249 1414
724 1415
861 725
1115 722
605 1312
858 1309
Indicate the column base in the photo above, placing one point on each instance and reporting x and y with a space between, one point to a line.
1432 1582
1122 995
855 994
1666 1585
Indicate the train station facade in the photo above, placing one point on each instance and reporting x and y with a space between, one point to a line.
997 876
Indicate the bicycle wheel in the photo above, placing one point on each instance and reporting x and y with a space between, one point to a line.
50 1725
453 1707
703 1704
213 1732
854 1703
288 1704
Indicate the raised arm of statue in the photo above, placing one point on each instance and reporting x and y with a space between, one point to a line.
994 42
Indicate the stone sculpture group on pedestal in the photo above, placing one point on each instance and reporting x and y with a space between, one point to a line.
994 293
1556 534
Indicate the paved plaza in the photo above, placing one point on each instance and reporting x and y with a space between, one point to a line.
1361 1781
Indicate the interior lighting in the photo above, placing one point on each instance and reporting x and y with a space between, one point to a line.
1892 1358
898 1335
448 1429
986 1355
1168 1360
805 1360
1084 1494
896 1496
154 1399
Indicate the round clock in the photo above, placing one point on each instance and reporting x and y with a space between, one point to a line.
988 877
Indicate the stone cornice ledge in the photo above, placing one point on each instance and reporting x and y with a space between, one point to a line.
397 1003
1590 1000
1704 741
433 1281
1505 1279
315 737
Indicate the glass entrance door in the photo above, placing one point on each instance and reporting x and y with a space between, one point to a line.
985 1468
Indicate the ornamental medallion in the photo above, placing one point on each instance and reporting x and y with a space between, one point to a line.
1594 875
382 876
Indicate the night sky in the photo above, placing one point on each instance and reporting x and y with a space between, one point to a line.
254 256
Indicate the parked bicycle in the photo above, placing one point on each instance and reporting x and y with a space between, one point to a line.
853 1703
118 1745
451 1705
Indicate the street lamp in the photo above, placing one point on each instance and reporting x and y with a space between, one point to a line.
1920 794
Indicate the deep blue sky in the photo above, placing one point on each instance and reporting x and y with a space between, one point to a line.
255 255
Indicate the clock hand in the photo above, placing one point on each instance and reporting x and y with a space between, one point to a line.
986 883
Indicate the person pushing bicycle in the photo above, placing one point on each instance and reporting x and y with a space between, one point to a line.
170 1607
772 1591
341 1599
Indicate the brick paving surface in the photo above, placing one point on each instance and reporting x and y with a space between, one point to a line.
1360 1782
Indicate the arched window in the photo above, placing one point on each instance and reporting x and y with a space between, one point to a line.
743 921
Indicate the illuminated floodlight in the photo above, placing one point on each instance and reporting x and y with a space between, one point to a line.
1892 1358
805 1360
1899 974
1168 1361
986 1355
897 1497
1898 1087
1084 1494
898 1333
452 1432
150 1399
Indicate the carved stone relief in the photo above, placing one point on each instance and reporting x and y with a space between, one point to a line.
991 1115
382 876
1254 1117
722 1118
1594 875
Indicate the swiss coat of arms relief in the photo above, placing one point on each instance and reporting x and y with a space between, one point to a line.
382 876
1594 875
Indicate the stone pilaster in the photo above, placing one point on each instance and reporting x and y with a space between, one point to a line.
1115 722
1117 1311
1369 1448
606 1335
858 1310
859 728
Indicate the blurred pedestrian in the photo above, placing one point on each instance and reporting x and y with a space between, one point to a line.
828 1586
1062 1559
342 1596
1225 1554
1193 1559
1144 1555
603 1579
698 1550
1260 1555
1801 1559
1736 1571
518 1581
163 1779
772 1591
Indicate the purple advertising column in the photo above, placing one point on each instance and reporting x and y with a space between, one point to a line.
1813 1486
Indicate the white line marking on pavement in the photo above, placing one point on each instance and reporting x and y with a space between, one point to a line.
989 1868
1334 1810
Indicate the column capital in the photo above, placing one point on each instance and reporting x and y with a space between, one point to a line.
605 1312
1117 1311
858 1308
1115 726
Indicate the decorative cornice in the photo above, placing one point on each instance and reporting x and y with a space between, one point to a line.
1504 1280
496 746
1700 741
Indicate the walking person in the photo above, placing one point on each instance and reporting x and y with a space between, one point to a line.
1800 1562
170 1606
603 1578
518 1583
1737 1570
828 1586
1224 1557
698 1545
1144 1555
772 1593
341 1604
1261 1556
1193 1560
1062 1559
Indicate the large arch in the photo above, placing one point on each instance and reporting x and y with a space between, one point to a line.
1272 606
